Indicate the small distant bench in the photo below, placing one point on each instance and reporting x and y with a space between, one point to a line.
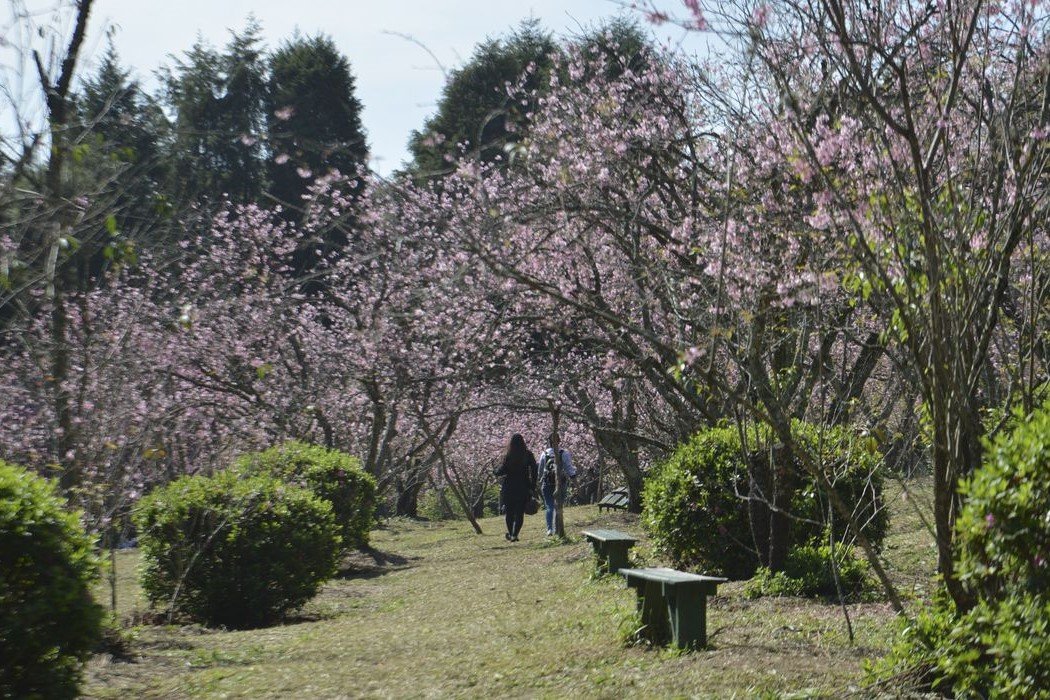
673 604
615 499
610 548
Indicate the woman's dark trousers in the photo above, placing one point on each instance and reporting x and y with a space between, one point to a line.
515 516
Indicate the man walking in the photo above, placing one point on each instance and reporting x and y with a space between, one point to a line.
548 481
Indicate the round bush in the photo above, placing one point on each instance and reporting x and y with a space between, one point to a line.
436 506
853 465
48 620
691 507
333 476
695 504
235 551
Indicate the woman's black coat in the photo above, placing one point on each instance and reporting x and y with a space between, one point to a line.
519 477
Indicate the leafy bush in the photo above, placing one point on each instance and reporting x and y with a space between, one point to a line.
852 464
695 504
490 500
808 572
235 551
48 620
997 649
691 506
435 507
1001 646
333 476
1003 531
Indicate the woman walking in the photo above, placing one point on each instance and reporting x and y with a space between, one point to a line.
519 483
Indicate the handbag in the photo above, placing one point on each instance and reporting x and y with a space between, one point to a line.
532 506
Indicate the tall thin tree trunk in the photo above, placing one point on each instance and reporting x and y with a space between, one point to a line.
783 470
56 94
559 473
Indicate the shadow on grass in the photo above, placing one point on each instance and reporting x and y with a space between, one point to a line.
371 563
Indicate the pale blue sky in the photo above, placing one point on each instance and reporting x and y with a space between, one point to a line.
398 82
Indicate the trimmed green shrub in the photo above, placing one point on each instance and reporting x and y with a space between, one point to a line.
696 508
808 572
48 619
999 648
333 476
692 509
434 507
235 551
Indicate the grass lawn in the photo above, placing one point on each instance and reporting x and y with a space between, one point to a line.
437 611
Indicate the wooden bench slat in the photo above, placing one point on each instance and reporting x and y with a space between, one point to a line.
609 536
616 498
666 575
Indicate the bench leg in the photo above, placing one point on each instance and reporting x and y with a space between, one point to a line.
687 611
601 558
653 610
617 557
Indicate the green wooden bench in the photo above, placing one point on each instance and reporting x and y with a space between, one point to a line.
610 548
673 604
617 499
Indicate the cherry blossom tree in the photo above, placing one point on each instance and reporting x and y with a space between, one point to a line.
919 130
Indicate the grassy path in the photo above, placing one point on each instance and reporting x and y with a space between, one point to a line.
442 612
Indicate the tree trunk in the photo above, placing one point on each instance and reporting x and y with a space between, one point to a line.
760 485
635 481
559 475
56 95
376 432
783 470
956 454
407 493
461 496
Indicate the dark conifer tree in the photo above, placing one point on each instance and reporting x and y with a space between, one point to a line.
313 119
120 145
218 104
475 108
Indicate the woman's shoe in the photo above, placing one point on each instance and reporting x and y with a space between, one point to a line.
514 538
510 537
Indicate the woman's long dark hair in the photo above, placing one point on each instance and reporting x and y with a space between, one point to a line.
516 450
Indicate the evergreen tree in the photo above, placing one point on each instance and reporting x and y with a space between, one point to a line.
313 119
120 135
475 108
621 43
218 103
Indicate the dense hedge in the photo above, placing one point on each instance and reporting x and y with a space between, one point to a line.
233 550
1003 531
999 648
333 476
695 503
48 620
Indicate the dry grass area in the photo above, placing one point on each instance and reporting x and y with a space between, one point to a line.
437 611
